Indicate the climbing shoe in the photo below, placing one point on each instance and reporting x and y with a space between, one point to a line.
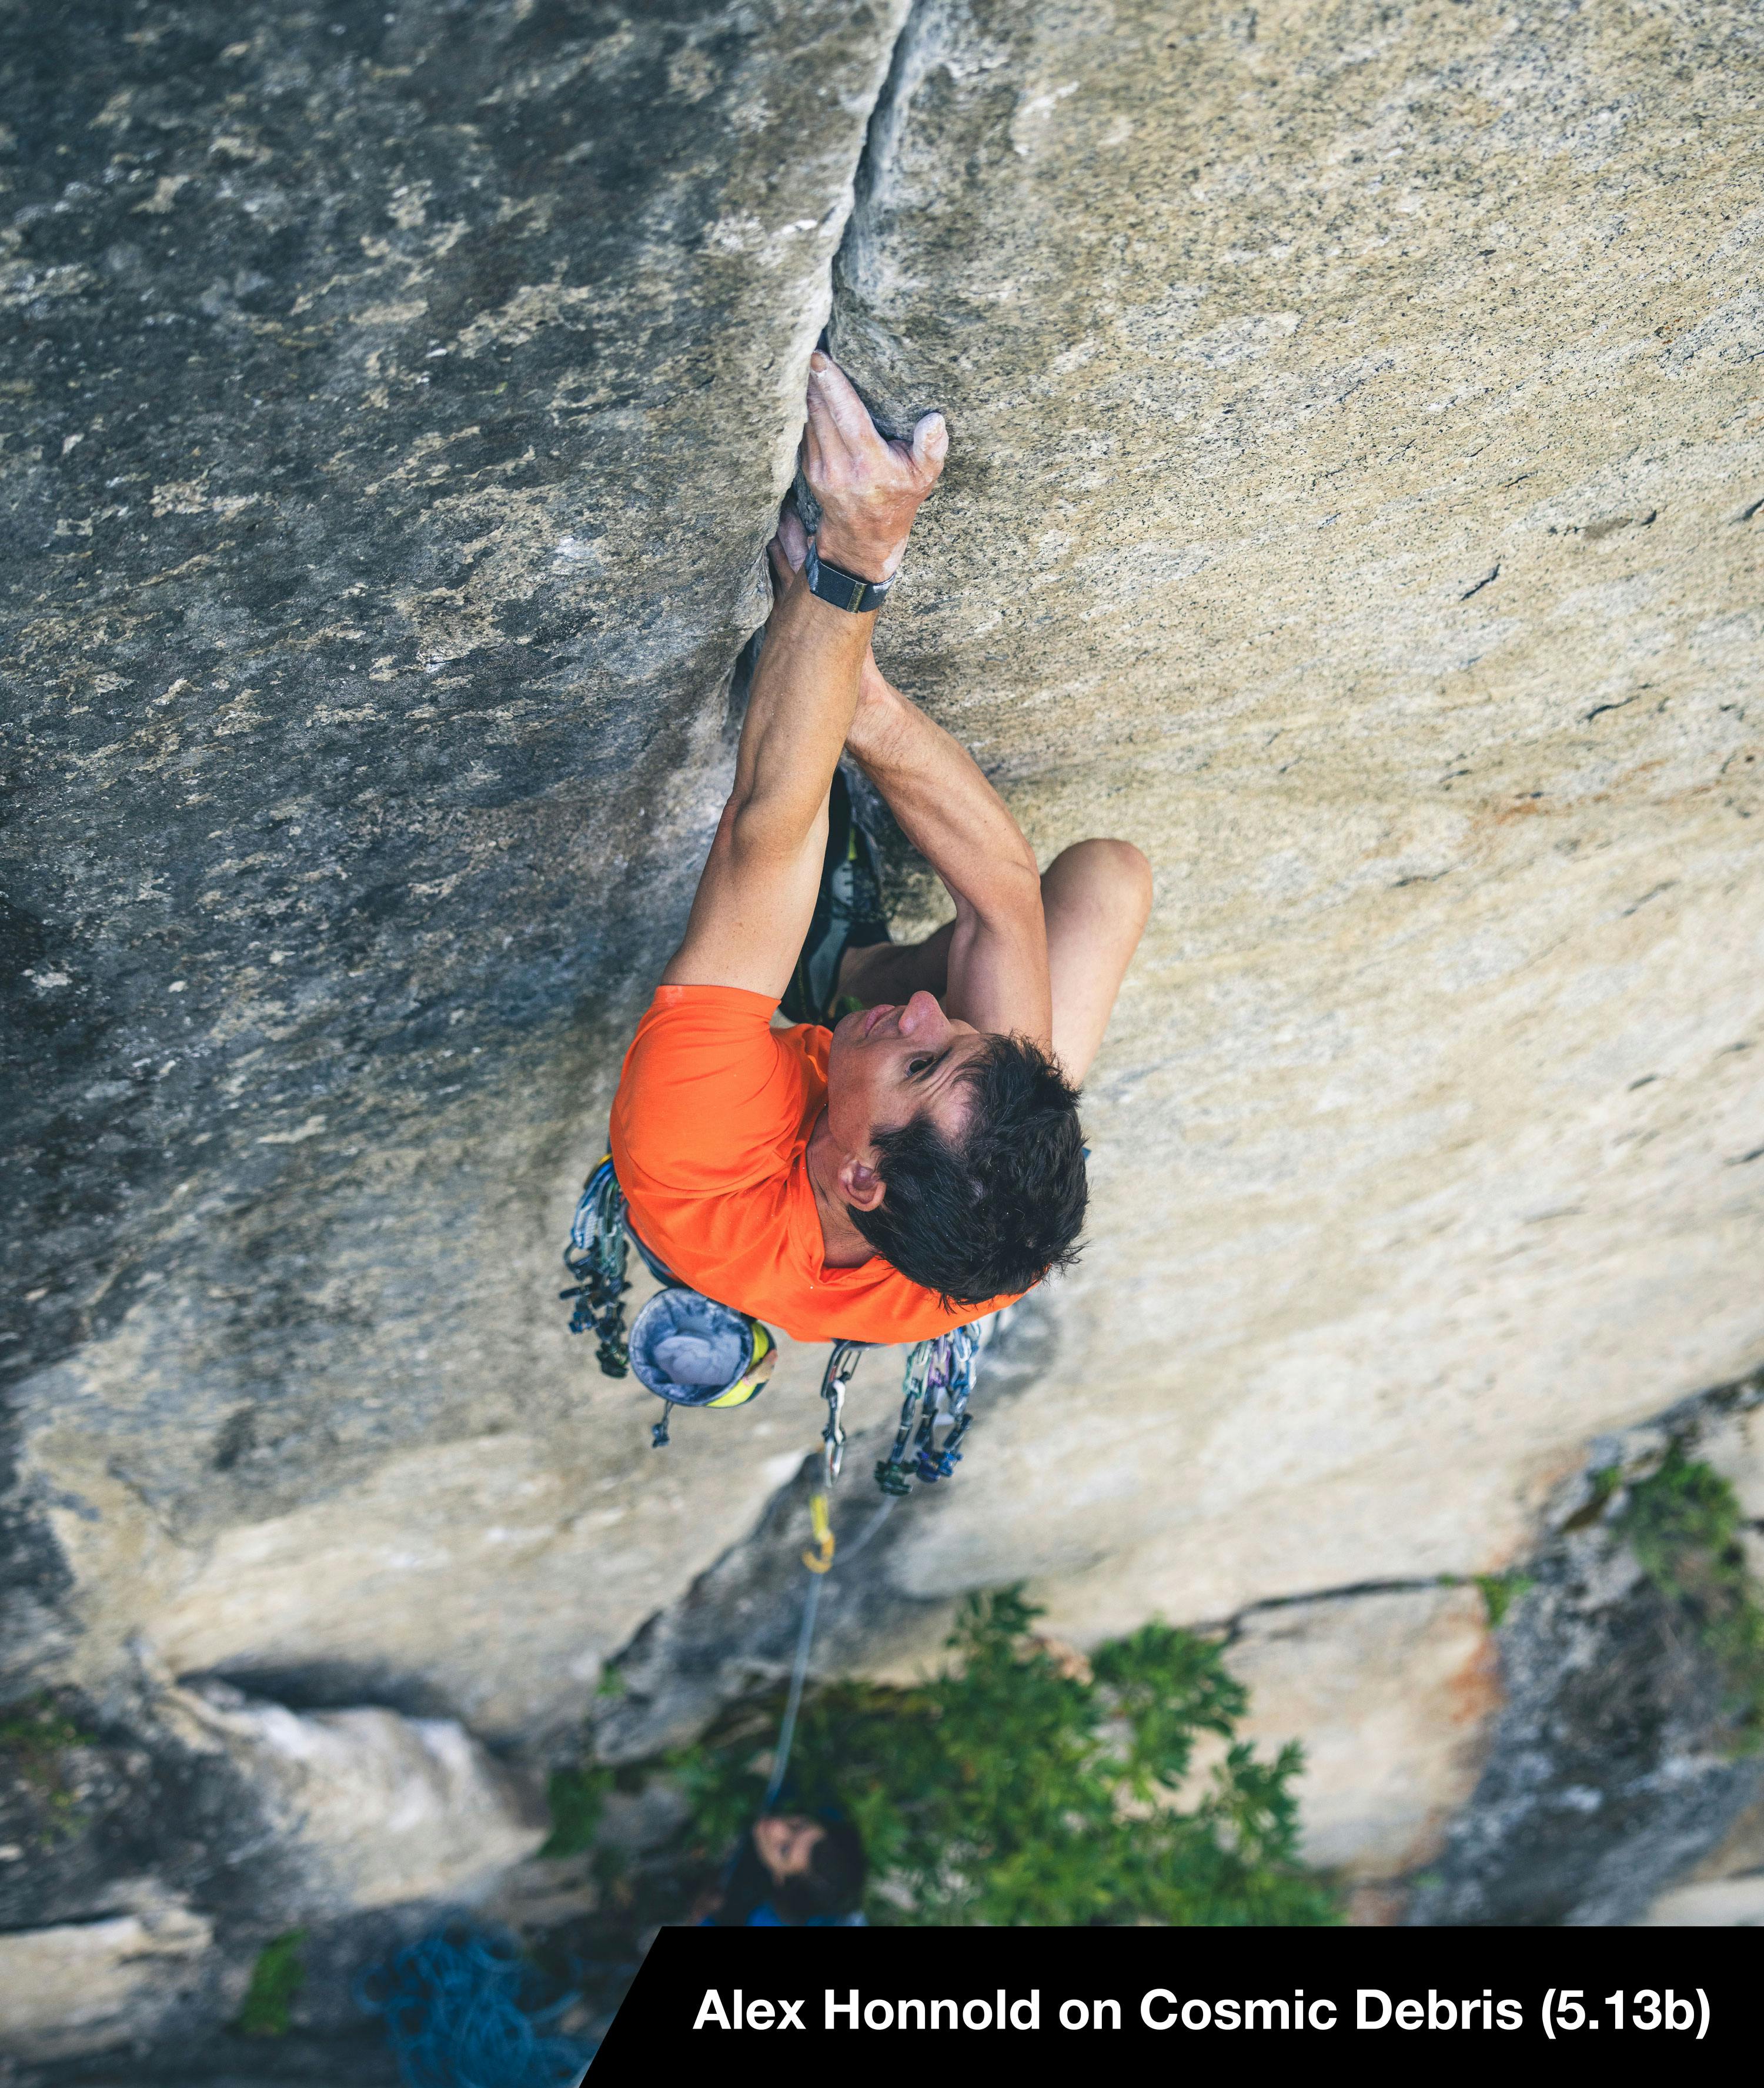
848 914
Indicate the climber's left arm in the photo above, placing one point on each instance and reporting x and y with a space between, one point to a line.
998 976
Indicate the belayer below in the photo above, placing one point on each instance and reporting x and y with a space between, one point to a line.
900 1155
793 1871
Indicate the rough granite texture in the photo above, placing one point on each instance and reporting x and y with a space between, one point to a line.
398 403
1614 1765
1355 497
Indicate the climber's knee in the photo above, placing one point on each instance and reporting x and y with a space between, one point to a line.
1113 874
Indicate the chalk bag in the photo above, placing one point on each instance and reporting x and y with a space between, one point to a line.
692 1351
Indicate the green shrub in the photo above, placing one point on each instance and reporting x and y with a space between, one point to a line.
576 1798
1019 1790
1500 1592
33 1737
278 1975
1687 1529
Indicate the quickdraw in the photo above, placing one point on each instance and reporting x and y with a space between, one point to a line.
939 1378
599 1248
835 1381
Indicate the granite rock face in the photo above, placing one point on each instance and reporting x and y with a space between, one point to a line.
398 403
1355 499
1616 1766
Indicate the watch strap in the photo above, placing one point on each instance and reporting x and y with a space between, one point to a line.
844 590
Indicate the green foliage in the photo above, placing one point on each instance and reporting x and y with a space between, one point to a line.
1500 1591
278 1975
577 1797
1687 1529
1019 1790
33 1738
34 1733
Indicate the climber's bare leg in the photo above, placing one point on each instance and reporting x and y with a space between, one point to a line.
1095 896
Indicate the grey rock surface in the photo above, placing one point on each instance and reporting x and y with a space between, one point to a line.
82 1986
1353 499
1613 1764
398 403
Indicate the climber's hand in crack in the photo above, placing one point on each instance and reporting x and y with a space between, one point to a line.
757 894
869 488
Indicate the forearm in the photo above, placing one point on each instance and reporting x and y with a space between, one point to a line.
799 711
756 894
946 806
996 974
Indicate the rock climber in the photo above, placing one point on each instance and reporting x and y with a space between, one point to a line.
903 1154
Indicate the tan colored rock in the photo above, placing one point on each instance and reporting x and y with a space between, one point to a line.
376 1809
84 1986
1388 1694
1718 1903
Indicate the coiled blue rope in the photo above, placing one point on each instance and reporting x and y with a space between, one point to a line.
455 2016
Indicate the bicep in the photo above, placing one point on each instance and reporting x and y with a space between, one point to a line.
753 908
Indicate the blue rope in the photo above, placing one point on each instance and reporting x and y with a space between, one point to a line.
455 2016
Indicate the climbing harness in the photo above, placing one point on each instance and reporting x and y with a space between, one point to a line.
686 1348
460 2009
691 1351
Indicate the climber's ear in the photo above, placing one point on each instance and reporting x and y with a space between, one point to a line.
860 1185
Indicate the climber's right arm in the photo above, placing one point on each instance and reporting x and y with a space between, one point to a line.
756 896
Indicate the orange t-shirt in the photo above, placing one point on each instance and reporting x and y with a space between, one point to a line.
709 1130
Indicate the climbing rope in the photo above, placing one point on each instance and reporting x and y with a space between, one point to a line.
819 1564
457 2005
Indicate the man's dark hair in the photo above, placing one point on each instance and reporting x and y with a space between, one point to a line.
994 1214
833 1882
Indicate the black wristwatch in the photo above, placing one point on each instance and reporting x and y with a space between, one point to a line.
844 590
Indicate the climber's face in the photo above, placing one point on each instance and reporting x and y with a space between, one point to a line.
887 1065
786 1845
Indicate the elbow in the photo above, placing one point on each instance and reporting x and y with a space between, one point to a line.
758 826
1011 894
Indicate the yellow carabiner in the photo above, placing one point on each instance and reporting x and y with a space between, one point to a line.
823 1536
